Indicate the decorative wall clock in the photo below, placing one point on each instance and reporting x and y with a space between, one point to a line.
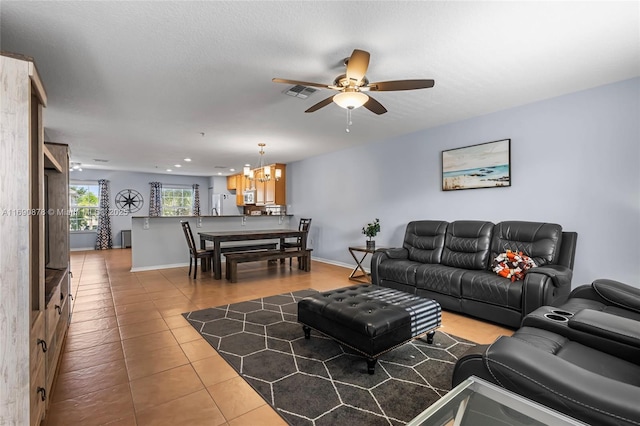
129 200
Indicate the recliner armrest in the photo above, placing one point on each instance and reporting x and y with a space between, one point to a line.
618 293
552 381
560 275
395 253
612 327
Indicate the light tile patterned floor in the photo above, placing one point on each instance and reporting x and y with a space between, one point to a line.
131 359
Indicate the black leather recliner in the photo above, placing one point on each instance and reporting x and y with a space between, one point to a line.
581 358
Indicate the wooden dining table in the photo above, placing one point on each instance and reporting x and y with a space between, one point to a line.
219 237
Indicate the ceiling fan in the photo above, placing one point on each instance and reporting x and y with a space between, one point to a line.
354 83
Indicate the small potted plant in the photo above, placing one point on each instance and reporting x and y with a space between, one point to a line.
371 230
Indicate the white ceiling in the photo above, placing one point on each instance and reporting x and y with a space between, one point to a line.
137 82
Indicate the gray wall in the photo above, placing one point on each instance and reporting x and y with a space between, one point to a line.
120 180
575 161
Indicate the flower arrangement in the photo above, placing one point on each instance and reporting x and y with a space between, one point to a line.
372 229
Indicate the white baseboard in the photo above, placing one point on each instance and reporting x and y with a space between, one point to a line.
180 265
154 267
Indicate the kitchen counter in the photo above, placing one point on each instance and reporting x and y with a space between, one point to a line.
157 242
208 216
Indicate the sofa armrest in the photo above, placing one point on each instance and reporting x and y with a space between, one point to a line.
395 253
547 285
382 255
560 275
612 327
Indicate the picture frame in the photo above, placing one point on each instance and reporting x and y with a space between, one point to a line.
485 165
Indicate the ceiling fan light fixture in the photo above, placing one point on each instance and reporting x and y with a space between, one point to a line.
350 100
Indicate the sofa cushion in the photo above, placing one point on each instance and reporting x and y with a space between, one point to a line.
424 239
439 278
487 287
540 241
467 244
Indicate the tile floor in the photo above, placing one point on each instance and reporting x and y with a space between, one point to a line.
130 358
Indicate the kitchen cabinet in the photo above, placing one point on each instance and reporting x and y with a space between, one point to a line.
273 191
231 182
241 185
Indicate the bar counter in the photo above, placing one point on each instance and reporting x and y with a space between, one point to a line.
159 243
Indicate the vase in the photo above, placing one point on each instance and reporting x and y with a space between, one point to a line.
371 245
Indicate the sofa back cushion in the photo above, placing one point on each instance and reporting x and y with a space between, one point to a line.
424 239
467 244
540 241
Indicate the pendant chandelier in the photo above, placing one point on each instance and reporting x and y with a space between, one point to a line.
266 175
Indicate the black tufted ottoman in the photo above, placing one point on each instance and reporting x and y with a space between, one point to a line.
369 318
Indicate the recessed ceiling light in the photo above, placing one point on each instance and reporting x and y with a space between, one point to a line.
169 170
177 165
232 170
187 159
219 173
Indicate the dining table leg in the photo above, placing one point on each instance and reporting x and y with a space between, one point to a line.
217 260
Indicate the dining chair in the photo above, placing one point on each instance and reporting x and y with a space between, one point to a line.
304 225
194 252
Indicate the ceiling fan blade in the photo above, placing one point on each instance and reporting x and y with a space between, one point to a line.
302 83
357 66
374 106
387 86
321 104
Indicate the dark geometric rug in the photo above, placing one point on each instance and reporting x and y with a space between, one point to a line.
317 381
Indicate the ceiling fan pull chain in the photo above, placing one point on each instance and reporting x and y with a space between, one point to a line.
349 122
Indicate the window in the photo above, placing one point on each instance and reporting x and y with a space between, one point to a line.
84 203
177 201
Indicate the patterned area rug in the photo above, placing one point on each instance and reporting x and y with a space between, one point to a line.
317 381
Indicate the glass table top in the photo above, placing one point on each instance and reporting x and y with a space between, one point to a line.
480 403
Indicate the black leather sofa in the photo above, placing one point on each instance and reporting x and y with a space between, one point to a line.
581 358
450 262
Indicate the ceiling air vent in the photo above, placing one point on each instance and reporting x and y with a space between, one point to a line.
99 160
299 91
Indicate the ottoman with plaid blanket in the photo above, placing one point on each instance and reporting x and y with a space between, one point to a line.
370 319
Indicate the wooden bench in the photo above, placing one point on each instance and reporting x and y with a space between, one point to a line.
232 259
246 247
249 247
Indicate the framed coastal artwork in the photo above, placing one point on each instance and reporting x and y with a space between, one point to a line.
486 165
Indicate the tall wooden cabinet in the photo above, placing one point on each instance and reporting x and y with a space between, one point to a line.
56 245
34 260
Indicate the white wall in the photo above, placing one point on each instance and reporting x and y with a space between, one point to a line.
575 161
119 180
